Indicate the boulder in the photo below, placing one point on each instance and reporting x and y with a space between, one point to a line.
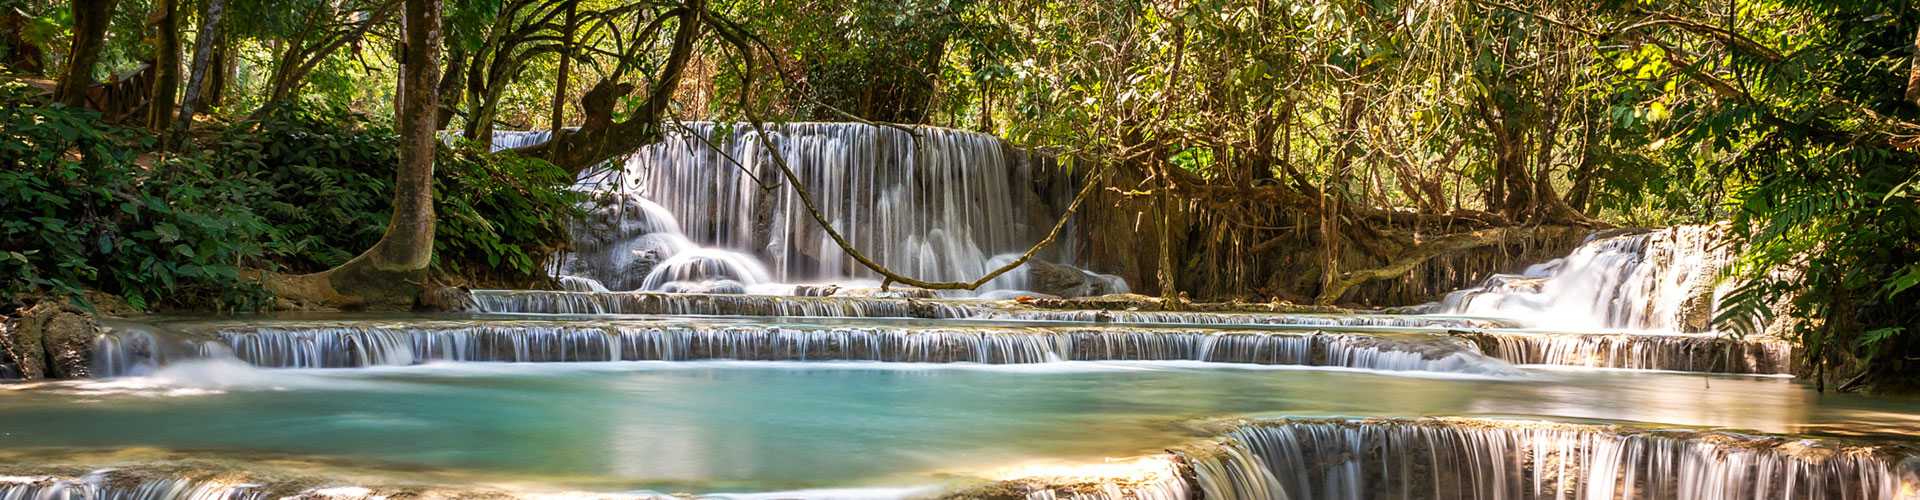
1058 280
49 340
21 356
447 299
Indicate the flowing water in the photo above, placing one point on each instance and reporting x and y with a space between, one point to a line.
1663 280
709 340
707 208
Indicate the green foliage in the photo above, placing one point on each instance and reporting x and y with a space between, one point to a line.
78 210
299 190
1821 194
500 216
328 174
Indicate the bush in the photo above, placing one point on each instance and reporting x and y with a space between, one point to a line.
501 216
79 209
299 190
330 175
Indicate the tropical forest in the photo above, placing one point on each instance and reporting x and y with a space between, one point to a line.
959 249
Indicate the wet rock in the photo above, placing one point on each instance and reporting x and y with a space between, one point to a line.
828 290
716 287
447 299
20 355
1057 280
49 340
894 292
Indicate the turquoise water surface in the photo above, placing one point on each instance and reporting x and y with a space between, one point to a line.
768 426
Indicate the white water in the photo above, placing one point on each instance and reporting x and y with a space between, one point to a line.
711 206
1493 459
325 346
1662 280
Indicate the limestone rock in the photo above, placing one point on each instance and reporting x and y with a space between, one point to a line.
21 356
49 340
1058 280
447 299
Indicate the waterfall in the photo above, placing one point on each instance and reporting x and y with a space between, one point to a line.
341 346
108 485
575 303
1660 280
1693 353
930 202
1491 459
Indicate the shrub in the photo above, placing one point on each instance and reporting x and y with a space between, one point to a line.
79 209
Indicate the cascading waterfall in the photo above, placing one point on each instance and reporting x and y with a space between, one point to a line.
1679 352
133 351
341 346
106 485
1490 459
1660 280
575 303
708 203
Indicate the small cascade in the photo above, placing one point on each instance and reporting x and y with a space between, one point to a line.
341 346
1490 459
1692 353
109 485
550 302
579 284
128 348
1662 280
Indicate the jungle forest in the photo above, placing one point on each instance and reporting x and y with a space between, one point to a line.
1089 249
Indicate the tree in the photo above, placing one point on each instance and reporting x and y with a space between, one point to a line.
205 60
90 18
600 136
166 64
394 270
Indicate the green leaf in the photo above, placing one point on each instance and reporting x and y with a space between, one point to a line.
1903 281
168 232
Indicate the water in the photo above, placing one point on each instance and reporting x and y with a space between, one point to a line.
709 204
1663 280
707 426
1494 459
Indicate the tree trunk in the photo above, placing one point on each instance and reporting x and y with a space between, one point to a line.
90 18
216 91
409 238
600 138
452 82
166 66
394 271
1913 73
566 65
202 62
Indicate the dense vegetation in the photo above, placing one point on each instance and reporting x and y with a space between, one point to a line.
1368 136
86 206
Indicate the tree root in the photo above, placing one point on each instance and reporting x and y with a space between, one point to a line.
1421 252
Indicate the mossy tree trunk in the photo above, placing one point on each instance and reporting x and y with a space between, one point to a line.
166 65
90 18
